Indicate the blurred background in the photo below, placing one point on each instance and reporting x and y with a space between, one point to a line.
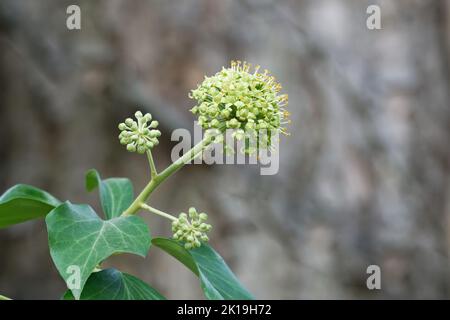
364 178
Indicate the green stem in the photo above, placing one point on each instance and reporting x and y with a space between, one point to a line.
153 171
4 298
186 158
159 178
158 212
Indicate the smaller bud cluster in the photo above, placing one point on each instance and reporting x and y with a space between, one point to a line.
139 136
191 232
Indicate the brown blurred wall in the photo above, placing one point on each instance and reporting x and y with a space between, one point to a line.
364 177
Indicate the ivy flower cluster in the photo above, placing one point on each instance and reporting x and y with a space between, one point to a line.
248 102
192 232
139 136
236 98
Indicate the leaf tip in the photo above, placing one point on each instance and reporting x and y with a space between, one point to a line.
92 178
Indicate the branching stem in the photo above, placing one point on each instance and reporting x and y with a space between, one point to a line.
158 212
157 179
153 171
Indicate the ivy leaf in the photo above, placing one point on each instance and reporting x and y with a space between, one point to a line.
111 284
79 240
23 202
216 279
116 194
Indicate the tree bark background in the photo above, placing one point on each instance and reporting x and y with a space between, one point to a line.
364 178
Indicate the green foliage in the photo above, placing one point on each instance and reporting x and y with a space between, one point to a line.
116 194
217 280
23 202
78 237
111 284
80 240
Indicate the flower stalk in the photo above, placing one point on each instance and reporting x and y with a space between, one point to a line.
157 179
151 162
158 212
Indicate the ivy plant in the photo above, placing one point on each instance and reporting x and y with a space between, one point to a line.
80 240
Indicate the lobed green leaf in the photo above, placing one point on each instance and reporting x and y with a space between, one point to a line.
116 194
23 202
78 238
111 284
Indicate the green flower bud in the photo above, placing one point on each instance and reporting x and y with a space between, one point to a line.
182 216
155 133
202 120
233 123
215 123
239 104
131 147
195 224
225 113
262 125
213 111
250 126
203 108
218 138
194 110
217 98
192 212
239 134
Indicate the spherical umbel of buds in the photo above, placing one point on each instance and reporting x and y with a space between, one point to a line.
236 98
141 135
191 228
